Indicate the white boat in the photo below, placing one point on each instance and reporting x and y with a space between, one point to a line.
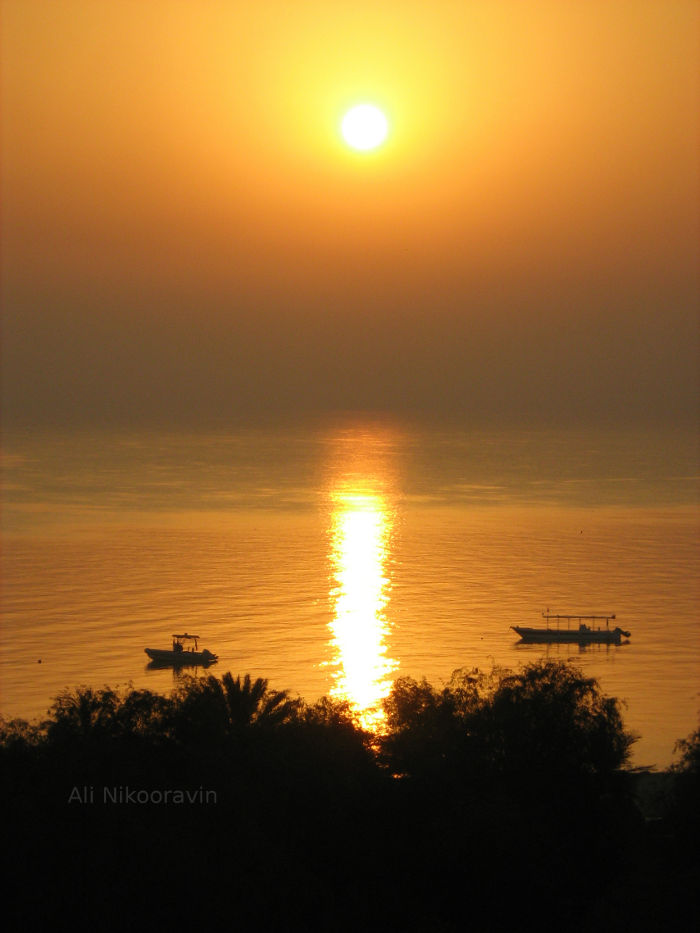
582 634
180 654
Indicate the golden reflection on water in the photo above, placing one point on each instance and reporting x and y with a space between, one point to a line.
361 534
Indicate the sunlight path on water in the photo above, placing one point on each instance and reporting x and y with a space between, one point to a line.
361 527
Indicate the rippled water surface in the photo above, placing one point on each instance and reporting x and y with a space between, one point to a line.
333 558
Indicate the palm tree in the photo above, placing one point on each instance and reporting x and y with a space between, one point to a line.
211 708
251 703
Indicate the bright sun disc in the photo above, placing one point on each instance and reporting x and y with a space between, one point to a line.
364 127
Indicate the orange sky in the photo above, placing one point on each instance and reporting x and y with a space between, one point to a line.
185 236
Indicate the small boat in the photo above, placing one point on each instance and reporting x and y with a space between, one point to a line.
583 634
180 654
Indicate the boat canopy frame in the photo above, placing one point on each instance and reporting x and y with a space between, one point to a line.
195 638
547 616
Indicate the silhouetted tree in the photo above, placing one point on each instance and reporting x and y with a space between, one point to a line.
18 733
142 713
325 744
82 714
528 763
689 749
545 722
684 809
20 749
425 730
211 712
550 723
319 825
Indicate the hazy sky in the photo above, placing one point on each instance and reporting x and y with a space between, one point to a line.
186 239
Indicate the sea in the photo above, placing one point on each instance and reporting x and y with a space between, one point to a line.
332 556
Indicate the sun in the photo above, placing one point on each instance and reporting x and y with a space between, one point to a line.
364 127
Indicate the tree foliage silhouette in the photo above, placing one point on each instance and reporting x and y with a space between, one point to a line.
684 805
210 709
532 730
499 775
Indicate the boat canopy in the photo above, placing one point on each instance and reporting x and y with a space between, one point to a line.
579 618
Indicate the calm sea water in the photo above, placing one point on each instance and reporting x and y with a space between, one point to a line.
332 558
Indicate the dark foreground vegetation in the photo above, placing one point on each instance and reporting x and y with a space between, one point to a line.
498 801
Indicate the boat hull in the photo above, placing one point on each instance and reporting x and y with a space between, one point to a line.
165 658
578 636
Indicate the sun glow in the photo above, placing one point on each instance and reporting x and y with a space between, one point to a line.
364 127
